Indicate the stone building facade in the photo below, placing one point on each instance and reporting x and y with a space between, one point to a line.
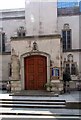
42 61
39 34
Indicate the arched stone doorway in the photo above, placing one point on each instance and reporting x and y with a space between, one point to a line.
35 72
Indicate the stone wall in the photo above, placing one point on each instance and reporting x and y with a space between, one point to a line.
15 83
45 44
6 60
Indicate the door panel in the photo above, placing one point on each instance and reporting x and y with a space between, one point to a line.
35 72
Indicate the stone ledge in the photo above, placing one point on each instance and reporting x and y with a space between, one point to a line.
73 105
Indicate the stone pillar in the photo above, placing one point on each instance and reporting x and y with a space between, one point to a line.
15 67
15 83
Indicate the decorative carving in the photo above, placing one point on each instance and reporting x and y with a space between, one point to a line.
35 47
70 57
13 51
66 26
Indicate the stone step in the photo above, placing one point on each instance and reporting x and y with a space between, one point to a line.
49 112
31 106
32 102
32 99
54 110
32 117
39 114
34 93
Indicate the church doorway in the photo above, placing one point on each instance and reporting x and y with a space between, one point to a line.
35 68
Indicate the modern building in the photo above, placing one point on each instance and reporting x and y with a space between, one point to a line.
38 42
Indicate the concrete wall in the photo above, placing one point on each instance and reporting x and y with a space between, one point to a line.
9 13
5 68
41 17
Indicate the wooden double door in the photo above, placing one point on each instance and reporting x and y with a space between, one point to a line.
35 72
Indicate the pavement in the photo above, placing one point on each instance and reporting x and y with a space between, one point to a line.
72 96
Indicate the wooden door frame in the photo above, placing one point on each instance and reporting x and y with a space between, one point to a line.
23 70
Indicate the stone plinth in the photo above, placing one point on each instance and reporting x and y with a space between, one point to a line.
57 86
15 85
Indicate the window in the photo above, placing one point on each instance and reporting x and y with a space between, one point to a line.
66 36
67 68
2 42
70 68
21 34
70 65
73 69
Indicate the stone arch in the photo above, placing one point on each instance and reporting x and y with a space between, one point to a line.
30 54
70 57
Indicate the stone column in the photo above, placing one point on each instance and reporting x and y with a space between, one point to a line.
16 83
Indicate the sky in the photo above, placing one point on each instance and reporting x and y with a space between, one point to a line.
12 4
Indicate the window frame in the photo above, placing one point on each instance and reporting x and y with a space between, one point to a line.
65 40
70 64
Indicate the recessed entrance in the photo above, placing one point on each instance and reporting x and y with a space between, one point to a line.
35 72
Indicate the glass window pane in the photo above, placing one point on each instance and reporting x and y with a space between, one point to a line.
68 68
64 39
23 34
69 39
68 47
68 33
73 69
63 33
